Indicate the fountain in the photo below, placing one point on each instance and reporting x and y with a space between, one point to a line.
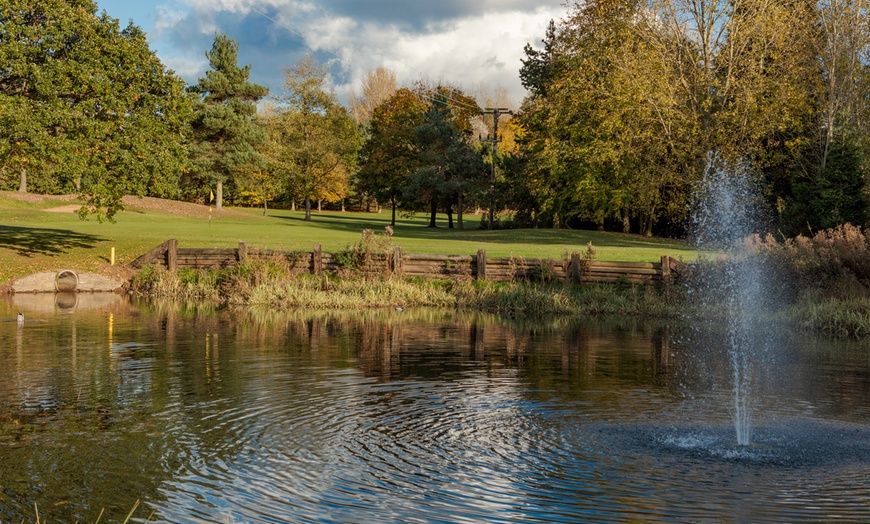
727 212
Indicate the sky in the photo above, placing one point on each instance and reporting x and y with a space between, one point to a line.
475 45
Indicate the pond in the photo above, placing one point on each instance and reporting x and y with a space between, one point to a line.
411 416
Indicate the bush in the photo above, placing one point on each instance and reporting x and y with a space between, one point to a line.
836 260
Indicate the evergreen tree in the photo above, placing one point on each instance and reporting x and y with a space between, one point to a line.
449 167
390 153
226 130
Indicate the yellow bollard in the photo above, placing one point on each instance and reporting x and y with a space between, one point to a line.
112 258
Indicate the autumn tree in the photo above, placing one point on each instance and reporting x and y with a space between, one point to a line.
628 98
390 153
378 85
313 140
829 182
226 130
86 106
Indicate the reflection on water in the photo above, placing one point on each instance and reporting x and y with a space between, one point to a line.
419 415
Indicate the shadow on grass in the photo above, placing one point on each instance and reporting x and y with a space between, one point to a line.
30 241
416 228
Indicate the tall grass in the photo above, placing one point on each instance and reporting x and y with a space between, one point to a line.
270 282
841 318
825 283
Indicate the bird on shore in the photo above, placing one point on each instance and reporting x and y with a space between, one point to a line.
20 318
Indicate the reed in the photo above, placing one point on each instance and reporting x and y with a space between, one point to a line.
841 318
270 282
533 299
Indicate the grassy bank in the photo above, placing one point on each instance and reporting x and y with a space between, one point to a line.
44 233
818 286
266 283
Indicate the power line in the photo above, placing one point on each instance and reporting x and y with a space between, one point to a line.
495 112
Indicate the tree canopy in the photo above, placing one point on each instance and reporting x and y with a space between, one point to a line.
86 106
313 139
226 131
628 98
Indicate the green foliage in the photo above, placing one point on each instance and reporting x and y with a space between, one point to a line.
225 128
825 197
449 168
538 67
390 153
370 256
86 106
626 101
314 141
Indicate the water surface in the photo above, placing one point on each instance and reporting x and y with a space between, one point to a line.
412 416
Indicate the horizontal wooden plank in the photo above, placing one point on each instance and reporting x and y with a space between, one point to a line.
206 251
620 270
452 258
615 279
638 265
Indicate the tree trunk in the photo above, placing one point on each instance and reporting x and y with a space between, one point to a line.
22 185
646 225
626 221
219 198
449 216
265 206
307 208
434 210
459 212
393 205
319 206
293 205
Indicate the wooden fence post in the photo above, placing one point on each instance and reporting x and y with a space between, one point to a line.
317 259
576 271
481 264
243 251
397 261
172 256
666 269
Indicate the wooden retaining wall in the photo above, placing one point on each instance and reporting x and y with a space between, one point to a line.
477 266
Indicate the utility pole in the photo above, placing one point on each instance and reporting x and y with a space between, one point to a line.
495 112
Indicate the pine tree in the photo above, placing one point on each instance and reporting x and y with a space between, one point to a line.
226 130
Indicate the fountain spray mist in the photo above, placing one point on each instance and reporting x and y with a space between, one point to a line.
727 211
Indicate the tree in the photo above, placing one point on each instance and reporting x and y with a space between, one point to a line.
378 85
314 141
629 97
449 167
86 106
226 131
828 183
539 67
390 154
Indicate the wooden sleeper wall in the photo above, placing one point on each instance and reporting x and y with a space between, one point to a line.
476 266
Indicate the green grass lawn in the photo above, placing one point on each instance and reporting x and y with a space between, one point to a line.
33 239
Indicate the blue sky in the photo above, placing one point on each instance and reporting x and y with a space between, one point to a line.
475 45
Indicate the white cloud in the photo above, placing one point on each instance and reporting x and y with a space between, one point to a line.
185 67
469 45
